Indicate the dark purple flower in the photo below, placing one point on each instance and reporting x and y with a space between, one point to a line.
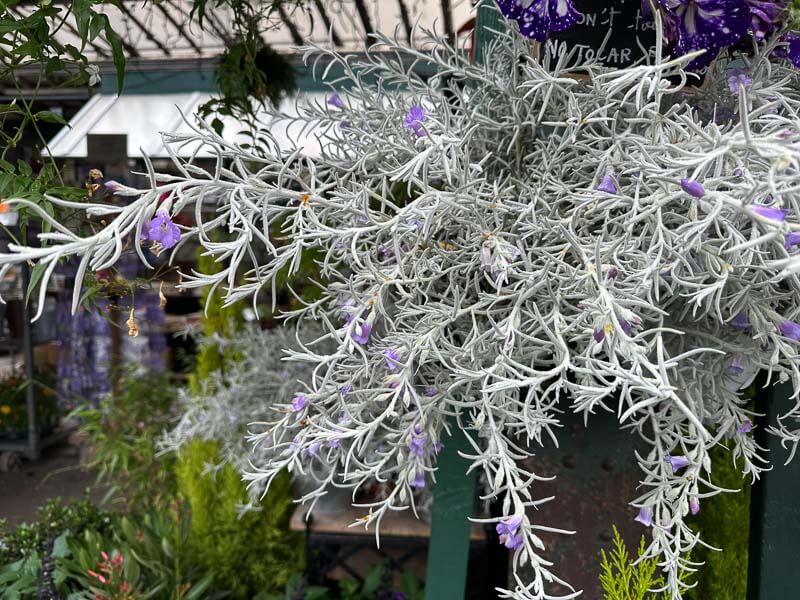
745 426
398 596
335 100
419 480
738 172
392 358
417 442
599 335
608 185
692 187
741 322
509 525
704 25
770 212
539 18
645 516
792 239
626 327
677 462
612 273
791 330
299 402
161 229
791 47
737 366
694 504
361 333
414 118
765 15
738 79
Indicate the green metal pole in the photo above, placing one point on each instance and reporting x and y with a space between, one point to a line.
774 511
454 494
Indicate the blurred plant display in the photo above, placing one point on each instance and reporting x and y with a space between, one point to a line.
14 408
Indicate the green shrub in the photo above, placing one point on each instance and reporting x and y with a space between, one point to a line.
52 519
251 552
723 522
621 579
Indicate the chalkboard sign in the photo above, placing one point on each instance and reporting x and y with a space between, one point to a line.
630 32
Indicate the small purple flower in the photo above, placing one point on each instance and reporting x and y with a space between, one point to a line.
345 390
437 447
419 480
313 449
765 15
737 366
538 19
512 542
738 79
413 120
770 212
417 442
613 273
334 443
791 330
608 185
677 462
645 516
599 335
745 426
361 333
693 188
342 419
430 391
738 172
509 525
345 124
792 239
694 504
415 223
161 229
299 402
741 322
392 359
335 100
626 327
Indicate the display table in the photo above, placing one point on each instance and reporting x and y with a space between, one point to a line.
335 548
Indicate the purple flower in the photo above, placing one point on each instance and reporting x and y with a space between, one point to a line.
415 223
334 443
791 48
738 79
313 449
345 390
509 525
398 596
677 462
417 442
737 366
741 322
791 330
335 100
392 357
693 187
745 426
437 447
299 402
694 504
414 118
738 172
419 480
599 335
765 15
792 239
612 273
345 124
770 212
704 25
512 542
161 229
539 18
645 516
608 185
430 391
361 333
626 327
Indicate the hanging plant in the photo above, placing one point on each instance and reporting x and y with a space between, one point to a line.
617 242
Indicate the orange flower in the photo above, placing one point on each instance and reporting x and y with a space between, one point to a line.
5 409
4 207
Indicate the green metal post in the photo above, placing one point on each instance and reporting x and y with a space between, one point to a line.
775 511
454 494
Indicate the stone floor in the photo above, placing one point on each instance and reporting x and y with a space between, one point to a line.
57 473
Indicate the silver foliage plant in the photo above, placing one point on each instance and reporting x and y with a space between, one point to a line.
475 278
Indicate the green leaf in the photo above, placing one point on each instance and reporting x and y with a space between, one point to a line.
49 117
36 275
96 26
60 546
117 52
81 10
